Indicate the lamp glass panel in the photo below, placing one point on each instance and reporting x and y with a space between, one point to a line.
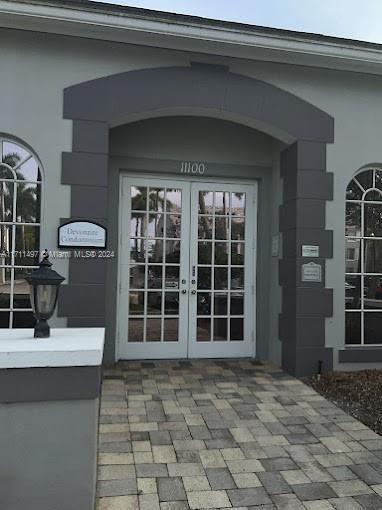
45 299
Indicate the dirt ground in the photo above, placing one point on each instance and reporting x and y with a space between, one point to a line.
357 393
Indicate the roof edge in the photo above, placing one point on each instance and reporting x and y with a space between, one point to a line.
145 13
99 20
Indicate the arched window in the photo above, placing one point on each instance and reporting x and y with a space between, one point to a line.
363 264
20 200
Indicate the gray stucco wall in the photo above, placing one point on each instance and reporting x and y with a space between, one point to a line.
352 99
192 138
200 90
45 451
230 150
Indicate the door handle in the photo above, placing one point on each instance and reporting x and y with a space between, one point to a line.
193 292
184 291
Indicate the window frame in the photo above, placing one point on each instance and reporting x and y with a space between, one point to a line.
13 266
361 238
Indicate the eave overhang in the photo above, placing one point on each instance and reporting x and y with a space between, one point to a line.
186 33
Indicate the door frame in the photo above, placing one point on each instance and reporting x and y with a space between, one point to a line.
246 347
127 174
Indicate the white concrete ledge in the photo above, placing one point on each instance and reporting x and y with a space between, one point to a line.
65 347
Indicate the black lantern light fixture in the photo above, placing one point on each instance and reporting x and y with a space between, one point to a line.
44 285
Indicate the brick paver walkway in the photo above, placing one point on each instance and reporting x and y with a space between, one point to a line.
229 434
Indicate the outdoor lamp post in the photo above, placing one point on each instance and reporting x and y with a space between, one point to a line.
44 284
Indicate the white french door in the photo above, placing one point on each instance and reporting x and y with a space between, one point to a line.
186 271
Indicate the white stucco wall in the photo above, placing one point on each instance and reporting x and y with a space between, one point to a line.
37 67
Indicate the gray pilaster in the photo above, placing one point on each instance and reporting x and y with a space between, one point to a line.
84 169
82 299
96 105
306 188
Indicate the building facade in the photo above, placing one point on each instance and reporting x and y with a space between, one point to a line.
236 170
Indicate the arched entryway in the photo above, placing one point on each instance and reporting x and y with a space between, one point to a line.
209 91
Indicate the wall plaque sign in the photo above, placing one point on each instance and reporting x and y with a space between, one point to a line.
311 272
310 251
275 245
81 234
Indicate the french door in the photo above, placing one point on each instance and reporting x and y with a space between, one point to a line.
186 271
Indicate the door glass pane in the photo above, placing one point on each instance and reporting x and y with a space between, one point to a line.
138 198
172 277
221 278
204 303
21 297
137 250
206 202
220 329
171 303
237 254
221 304
155 251
153 330
172 252
173 226
154 303
204 253
156 199
204 278
156 225
222 204
138 224
223 221
237 329
221 254
237 278
237 229
154 277
173 200
135 332
155 236
154 282
237 303
238 204
221 228
137 277
136 302
203 332
170 333
205 225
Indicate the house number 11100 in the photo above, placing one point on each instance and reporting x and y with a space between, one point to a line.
192 167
